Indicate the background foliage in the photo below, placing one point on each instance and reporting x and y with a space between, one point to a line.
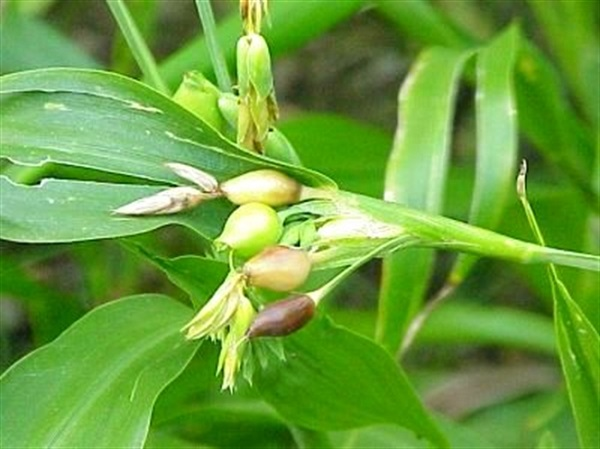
483 84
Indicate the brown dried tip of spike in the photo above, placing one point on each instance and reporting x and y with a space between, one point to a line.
282 317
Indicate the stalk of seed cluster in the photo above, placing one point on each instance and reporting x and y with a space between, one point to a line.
289 315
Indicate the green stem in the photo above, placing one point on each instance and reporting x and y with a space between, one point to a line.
441 232
214 49
137 45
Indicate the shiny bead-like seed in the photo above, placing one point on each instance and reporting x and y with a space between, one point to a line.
251 228
282 317
264 186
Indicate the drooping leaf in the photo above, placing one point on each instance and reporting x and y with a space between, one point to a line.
496 137
546 117
334 379
416 177
96 384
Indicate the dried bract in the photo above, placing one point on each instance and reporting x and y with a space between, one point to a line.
205 181
168 201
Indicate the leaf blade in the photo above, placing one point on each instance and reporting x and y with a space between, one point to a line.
496 137
345 381
105 394
83 107
69 211
416 177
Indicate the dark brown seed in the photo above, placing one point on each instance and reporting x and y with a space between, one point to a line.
282 317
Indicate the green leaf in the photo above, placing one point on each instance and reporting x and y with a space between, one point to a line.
96 384
496 137
551 124
81 108
29 43
137 44
546 117
421 21
334 379
416 177
578 342
294 24
385 436
579 349
66 115
351 152
197 276
520 423
68 211
571 30
459 323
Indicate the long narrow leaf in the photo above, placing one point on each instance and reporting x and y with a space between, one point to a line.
420 20
571 30
578 342
416 177
579 349
137 44
496 137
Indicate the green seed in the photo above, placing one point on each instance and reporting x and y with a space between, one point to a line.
263 186
259 65
200 96
242 49
251 228
279 147
278 268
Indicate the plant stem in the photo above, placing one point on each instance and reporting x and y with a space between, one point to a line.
417 323
137 45
444 233
214 50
